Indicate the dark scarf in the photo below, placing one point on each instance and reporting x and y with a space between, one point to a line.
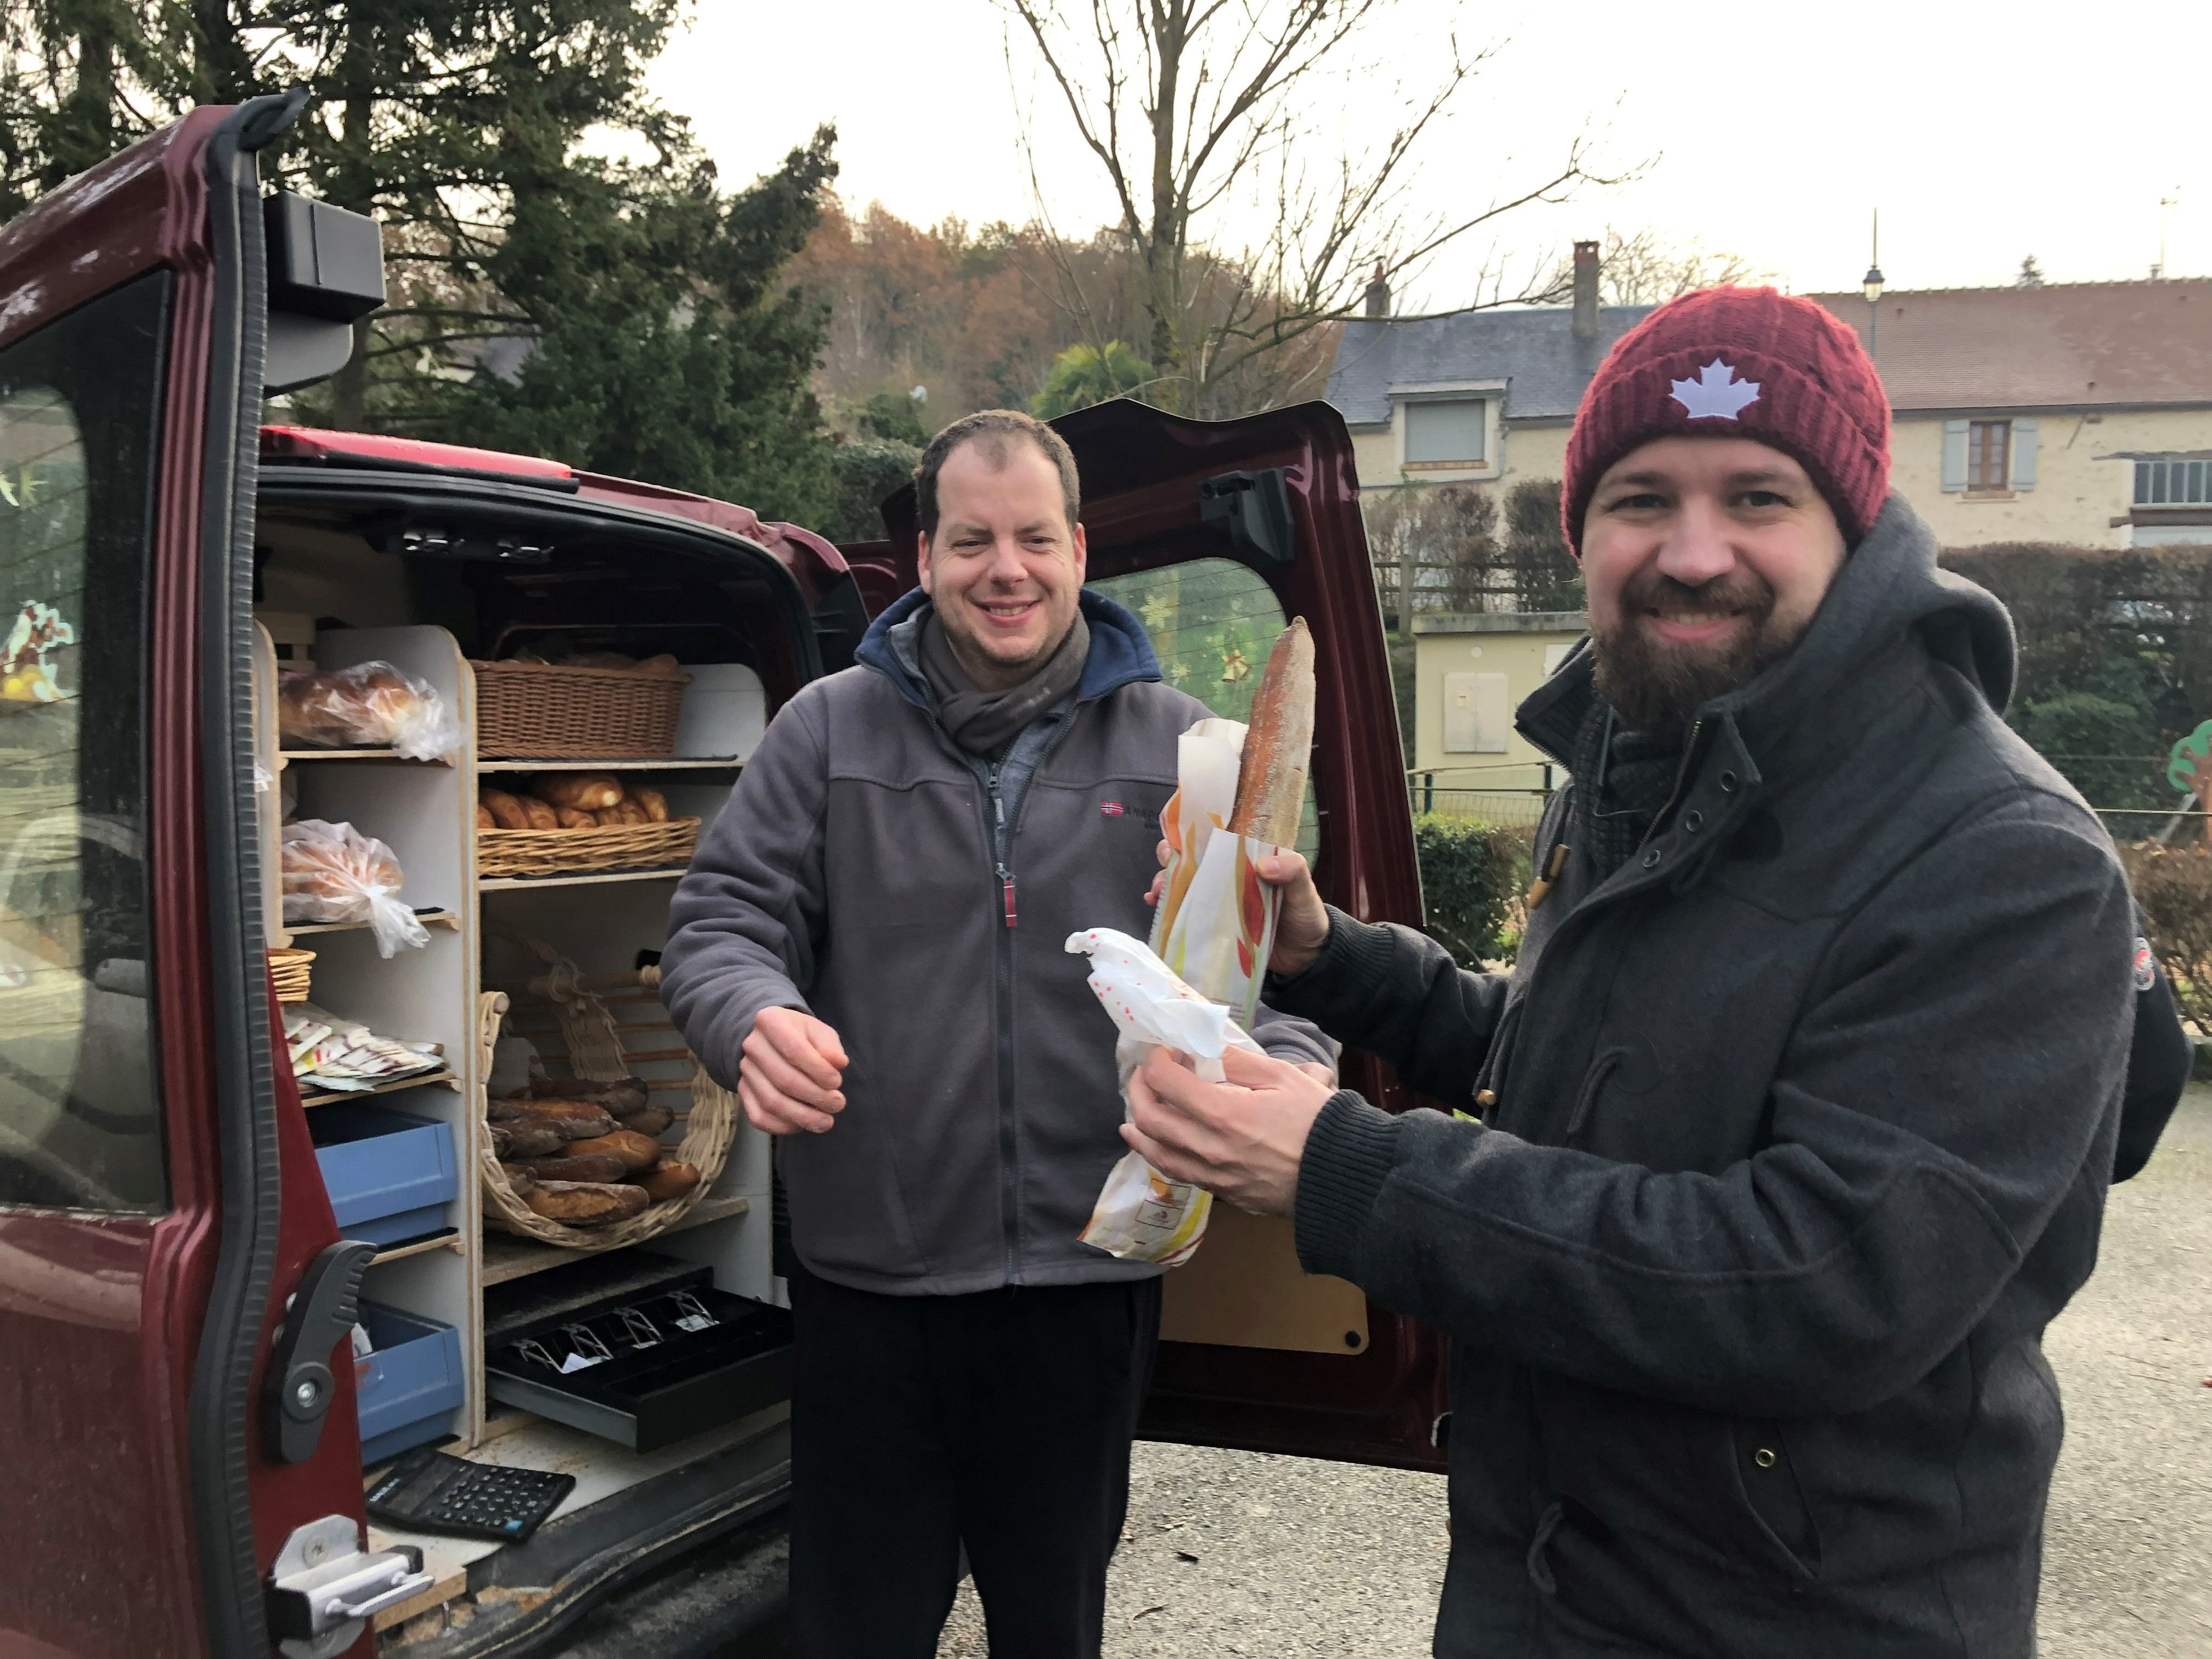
1638 777
985 722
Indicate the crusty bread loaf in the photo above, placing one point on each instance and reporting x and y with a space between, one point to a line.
576 1120
586 1204
618 1095
484 819
520 1181
646 1119
655 804
527 1140
634 1151
673 1178
594 1166
1271 779
507 811
541 813
574 817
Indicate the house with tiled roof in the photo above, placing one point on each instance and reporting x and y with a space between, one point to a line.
2078 413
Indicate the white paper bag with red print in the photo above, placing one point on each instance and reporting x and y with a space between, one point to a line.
1215 923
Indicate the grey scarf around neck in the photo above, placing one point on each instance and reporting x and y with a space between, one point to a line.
985 722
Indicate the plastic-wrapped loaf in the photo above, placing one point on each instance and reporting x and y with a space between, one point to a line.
332 872
371 705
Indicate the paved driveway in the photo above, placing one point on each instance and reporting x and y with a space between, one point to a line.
1229 1553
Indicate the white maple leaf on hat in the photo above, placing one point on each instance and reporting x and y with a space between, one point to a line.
1716 394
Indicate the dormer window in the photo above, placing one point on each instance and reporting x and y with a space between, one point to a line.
1447 432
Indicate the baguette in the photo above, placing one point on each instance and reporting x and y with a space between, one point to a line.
586 1204
526 1140
506 811
671 1179
1270 779
635 1152
646 1119
618 1094
587 790
520 1181
597 1166
576 1120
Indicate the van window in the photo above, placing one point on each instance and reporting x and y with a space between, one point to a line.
1212 622
80 1126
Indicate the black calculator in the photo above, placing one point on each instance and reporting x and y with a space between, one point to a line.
426 1491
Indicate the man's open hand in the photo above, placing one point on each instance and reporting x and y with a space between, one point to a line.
1301 929
1242 1140
790 1077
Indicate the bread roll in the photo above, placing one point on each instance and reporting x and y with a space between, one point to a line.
636 1152
484 819
507 811
671 1179
572 817
586 1204
646 1119
569 1166
655 804
540 813
662 667
587 791
1270 779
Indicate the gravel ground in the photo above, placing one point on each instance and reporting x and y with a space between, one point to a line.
1232 1552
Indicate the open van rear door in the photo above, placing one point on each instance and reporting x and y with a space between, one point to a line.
165 1443
1215 534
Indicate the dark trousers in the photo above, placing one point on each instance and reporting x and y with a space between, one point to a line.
1001 1420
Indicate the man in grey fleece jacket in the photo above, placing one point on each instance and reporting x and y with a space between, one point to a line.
1790 1129
868 947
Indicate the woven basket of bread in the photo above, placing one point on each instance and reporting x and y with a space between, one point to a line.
552 711
569 852
568 1017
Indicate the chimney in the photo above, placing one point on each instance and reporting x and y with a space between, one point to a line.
1378 294
1585 290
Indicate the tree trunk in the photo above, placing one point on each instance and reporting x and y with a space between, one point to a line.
353 186
1169 225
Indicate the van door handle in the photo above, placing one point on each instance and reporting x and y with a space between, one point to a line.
300 1385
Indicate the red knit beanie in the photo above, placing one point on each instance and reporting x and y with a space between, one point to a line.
1739 362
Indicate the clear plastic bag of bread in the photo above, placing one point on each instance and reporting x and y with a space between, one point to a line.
371 705
1141 1215
332 872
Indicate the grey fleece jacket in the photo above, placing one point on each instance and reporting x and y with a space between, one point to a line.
1794 1131
918 900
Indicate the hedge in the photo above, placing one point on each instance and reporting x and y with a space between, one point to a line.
1473 877
2173 885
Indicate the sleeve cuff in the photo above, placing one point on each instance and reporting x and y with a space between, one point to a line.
1349 1154
1356 957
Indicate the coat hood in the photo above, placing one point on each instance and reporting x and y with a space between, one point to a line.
1121 650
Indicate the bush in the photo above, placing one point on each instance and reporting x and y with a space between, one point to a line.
2173 885
868 470
1473 876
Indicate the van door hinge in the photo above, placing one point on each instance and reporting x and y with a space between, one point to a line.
327 1584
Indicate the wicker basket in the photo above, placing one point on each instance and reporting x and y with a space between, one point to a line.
542 711
595 1050
571 852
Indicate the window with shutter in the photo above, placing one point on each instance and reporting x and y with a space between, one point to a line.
1954 455
2024 442
1989 455
1446 433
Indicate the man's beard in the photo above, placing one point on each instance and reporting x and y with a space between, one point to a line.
1654 687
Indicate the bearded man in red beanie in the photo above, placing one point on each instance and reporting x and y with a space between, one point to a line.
1790 1129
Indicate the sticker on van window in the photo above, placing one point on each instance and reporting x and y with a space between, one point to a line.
26 675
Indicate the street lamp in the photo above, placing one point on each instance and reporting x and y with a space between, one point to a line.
1870 285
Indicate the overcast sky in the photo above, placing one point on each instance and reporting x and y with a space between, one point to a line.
1770 129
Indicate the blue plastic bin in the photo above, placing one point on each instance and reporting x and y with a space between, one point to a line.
409 1388
390 1174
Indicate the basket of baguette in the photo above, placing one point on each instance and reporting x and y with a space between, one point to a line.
602 1157
563 823
602 704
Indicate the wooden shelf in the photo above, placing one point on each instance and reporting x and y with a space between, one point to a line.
428 918
288 756
420 1079
684 763
506 1256
587 878
400 1252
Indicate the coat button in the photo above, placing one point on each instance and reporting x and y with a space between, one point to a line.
1652 859
1763 1457
1727 783
1693 820
1485 1098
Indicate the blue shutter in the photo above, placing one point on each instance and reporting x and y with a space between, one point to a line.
1954 454
2023 454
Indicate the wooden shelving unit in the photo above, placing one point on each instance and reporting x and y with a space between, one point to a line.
726 763
421 1079
593 878
428 918
506 1256
417 1247
291 756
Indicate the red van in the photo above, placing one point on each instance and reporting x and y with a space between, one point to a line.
196 1354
